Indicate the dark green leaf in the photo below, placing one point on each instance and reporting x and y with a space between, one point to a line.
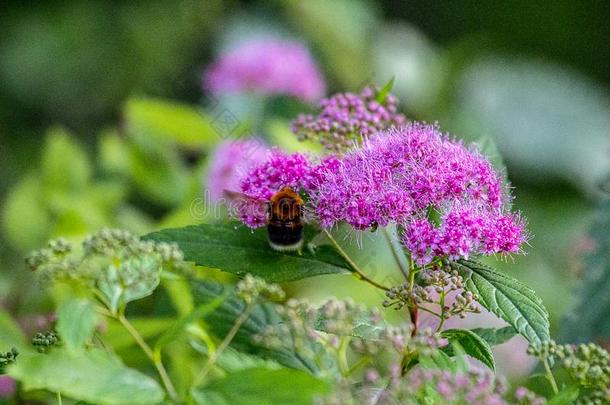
264 315
508 298
236 249
76 321
472 344
385 90
92 376
566 396
495 336
262 386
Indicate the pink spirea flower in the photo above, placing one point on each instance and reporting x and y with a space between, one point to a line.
270 67
346 117
230 162
407 174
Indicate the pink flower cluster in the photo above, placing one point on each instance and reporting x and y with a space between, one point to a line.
346 117
446 197
270 67
230 162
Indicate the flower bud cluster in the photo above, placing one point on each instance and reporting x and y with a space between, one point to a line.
587 364
250 288
437 283
43 341
7 358
402 339
347 118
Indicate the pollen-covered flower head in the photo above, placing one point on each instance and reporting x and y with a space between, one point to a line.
269 67
347 118
230 162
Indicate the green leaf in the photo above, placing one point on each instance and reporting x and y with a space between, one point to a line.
236 249
77 320
264 315
495 336
362 327
148 328
176 330
10 334
25 218
472 344
93 376
168 120
262 386
566 396
508 298
65 166
385 90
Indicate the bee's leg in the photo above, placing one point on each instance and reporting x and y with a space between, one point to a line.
300 251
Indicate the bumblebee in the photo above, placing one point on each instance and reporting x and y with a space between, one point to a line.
284 216
285 224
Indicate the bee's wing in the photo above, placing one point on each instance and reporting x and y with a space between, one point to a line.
308 214
237 202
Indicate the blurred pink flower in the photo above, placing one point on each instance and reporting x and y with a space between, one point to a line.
7 386
230 161
267 66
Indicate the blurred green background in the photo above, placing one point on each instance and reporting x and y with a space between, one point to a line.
103 121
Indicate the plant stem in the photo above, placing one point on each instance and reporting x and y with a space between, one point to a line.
355 269
342 356
395 255
550 376
169 387
224 344
442 304
59 398
412 310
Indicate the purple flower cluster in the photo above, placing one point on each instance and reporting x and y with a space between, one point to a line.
230 162
447 198
348 117
270 67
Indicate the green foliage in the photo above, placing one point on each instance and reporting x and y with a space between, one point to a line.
76 321
472 344
566 396
495 336
235 249
93 376
589 317
10 333
263 316
382 95
170 121
65 165
263 386
506 297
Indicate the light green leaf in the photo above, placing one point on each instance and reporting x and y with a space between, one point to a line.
25 218
168 120
385 90
10 334
495 336
176 330
508 298
148 328
93 376
472 344
65 166
261 386
76 322
566 396
264 315
235 249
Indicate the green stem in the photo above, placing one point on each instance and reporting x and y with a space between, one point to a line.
443 312
550 376
412 310
355 269
58 398
167 383
342 356
359 363
224 344
395 254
